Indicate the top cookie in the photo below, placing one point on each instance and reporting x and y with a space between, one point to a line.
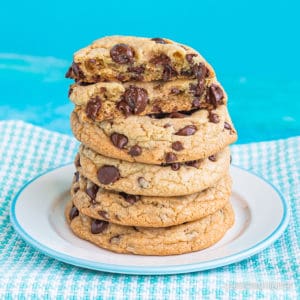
128 58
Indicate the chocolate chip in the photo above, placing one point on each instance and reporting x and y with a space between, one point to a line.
137 69
187 73
93 107
121 77
187 130
135 150
108 174
176 115
215 95
119 140
213 158
199 71
133 101
159 40
136 77
193 163
76 175
175 166
161 59
69 73
130 198
176 91
76 189
177 146
92 192
103 214
143 182
227 126
168 72
98 226
189 57
198 88
122 54
213 118
170 157
196 103
74 70
73 213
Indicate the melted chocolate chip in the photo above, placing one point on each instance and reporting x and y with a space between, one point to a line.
74 71
130 198
187 130
108 174
69 73
92 192
122 54
168 72
189 57
156 109
215 95
98 226
193 163
133 101
159 40
227 126
103 214
198 88
199 71
135 150
196 103
77 161
73 213
161 59
213 158
137 69
76 175
170 157
76 189
93 107
177 146
213 118
175 166
121 77
119 140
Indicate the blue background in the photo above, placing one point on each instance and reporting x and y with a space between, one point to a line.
253 46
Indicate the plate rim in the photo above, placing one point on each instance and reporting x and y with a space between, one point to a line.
146 270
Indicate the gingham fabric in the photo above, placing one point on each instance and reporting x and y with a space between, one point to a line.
25 273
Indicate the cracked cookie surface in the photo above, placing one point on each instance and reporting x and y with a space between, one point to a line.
129 58
179 239
132 210
155 141
175 179
111 100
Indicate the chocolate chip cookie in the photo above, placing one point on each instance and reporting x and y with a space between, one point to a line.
124 209
165 138
112 100
179 239
128 58
172 179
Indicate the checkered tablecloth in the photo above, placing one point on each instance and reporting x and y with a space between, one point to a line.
25 273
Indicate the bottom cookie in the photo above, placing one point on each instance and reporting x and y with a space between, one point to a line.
179 239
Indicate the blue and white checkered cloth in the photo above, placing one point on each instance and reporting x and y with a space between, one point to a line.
25 273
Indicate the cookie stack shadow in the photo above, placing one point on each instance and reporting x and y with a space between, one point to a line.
152 171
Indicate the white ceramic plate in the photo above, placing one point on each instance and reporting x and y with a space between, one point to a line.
37 214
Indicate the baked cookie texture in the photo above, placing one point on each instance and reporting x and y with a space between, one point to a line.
111 100
152 171
127 58
152 180
179 239
133 210
158 139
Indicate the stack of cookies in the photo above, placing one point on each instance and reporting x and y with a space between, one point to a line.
153 165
